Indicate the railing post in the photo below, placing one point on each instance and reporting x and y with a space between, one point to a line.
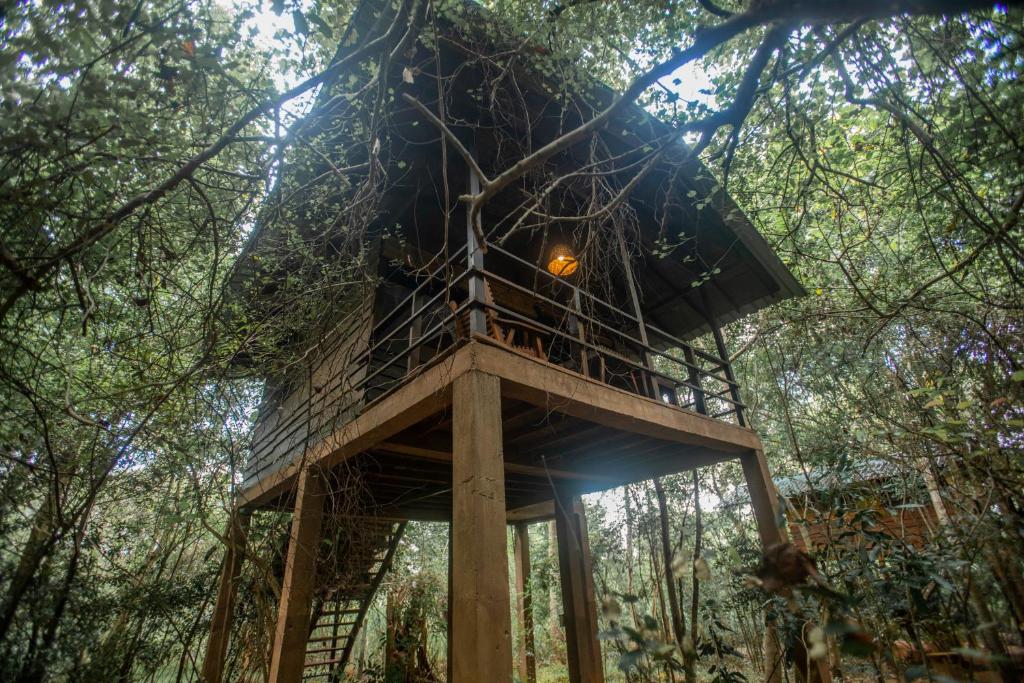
415 332
723 353
734 390
576 321
475 262
693 377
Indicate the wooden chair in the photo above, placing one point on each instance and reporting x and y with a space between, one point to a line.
501 329
490 316
530 336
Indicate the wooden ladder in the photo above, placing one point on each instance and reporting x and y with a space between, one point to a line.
339 612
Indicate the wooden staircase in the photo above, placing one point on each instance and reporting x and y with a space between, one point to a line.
340 608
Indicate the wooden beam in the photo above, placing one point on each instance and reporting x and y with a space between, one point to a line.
561 390
638 312
475 260
437 455
524 378
551 438
481 624
413 360
583 651
288 654
223 610
528 416
524 601
427 394
764 500
537 512
723 352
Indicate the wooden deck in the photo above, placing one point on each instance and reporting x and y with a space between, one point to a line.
484 436
559 429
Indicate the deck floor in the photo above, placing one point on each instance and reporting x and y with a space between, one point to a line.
559 428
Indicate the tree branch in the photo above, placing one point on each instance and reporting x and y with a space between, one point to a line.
783 13
114 218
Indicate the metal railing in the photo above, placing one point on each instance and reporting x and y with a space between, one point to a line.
582 332
662 367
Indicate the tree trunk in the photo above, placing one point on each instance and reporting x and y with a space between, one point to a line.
629 557
686 646
40 541
697 547
554 603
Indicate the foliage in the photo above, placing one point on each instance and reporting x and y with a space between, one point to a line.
143 144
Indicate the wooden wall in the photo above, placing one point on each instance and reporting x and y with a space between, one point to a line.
913 525
313 397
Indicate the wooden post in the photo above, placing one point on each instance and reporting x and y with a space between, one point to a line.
415 333
763 499
576 320
765 503
723 353
289 652
583 653
223 610
451 603
524 601
734 391
481 621
694 378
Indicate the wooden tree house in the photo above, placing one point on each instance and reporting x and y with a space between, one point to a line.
856 505
494 383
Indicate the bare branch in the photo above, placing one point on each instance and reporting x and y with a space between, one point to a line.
449 135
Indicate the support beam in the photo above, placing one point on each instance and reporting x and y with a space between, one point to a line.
545 473
524 601
578 602
223 610
481 623
289 651
765 502
763 499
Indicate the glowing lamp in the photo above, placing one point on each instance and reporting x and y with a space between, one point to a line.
562 261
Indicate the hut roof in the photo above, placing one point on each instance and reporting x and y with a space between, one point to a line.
737 272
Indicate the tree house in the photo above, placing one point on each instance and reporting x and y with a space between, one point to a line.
858 505
494 371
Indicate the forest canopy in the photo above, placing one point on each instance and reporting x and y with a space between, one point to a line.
877 146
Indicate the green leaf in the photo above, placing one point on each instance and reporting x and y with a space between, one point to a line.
315 19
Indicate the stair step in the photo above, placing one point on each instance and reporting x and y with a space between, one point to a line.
332 624
321 650
341 611
324 639
322 662
348 602
339 624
